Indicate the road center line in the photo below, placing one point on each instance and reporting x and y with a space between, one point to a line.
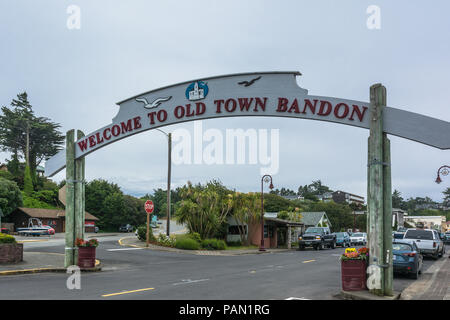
126 292
307 261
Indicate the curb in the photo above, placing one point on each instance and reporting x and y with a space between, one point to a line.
102 235
42 270
199 252
366 295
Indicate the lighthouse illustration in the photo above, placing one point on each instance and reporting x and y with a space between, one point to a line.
196 91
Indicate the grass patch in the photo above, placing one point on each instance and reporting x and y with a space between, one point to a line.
250 247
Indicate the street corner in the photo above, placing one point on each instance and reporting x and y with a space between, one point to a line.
131 241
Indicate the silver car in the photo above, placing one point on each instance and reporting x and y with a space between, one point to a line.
358 238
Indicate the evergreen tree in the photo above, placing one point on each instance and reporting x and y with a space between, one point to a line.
27 136
28 182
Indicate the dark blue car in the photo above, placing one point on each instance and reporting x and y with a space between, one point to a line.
407 258
343 239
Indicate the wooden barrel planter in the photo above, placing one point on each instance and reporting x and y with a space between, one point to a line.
86 257
353 275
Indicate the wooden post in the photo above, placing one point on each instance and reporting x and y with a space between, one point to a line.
70 200
375 185
148 230
387 217
79 197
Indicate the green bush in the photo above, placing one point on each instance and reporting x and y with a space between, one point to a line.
186 243
195 236
234 243
142 234
6 175
213 244
31 202
165 240
6 238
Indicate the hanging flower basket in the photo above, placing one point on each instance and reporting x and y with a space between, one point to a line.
353 269
86 252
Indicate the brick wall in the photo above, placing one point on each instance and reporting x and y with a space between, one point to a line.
11 252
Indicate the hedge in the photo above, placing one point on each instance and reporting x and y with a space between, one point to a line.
6 238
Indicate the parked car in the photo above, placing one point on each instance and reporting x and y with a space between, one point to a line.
343 239
4 230
96 229
427 240
50 230
446 237
358 238
318 238
406 258
398 235
126 228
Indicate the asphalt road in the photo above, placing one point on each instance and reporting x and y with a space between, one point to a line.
131 273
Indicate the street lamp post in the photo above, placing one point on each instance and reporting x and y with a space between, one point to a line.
442 170
266 178
169 172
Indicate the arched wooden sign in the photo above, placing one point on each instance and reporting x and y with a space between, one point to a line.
274 94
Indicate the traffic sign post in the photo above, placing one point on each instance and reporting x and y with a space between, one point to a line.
149 207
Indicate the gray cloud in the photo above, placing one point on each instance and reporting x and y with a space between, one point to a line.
75 77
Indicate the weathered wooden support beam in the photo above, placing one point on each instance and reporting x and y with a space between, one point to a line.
70 200
375 194
79 196
387 218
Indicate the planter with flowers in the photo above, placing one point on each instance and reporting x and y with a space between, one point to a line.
353 269
86 252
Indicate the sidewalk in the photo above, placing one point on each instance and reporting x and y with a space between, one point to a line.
136 243
37 262
434 284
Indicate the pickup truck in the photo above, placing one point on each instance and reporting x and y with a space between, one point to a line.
427 240
318 238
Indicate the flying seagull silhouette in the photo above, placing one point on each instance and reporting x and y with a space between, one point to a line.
249 83
154 104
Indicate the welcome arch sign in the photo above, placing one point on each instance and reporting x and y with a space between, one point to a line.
270 94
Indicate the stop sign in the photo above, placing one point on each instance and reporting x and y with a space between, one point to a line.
149 207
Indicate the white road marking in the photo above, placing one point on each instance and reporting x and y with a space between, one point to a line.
186 281
295 298
123 249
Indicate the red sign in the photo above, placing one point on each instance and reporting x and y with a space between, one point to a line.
149 207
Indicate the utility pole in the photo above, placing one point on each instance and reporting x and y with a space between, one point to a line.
379 198
169 172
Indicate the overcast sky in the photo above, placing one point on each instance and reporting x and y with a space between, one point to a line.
123 48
